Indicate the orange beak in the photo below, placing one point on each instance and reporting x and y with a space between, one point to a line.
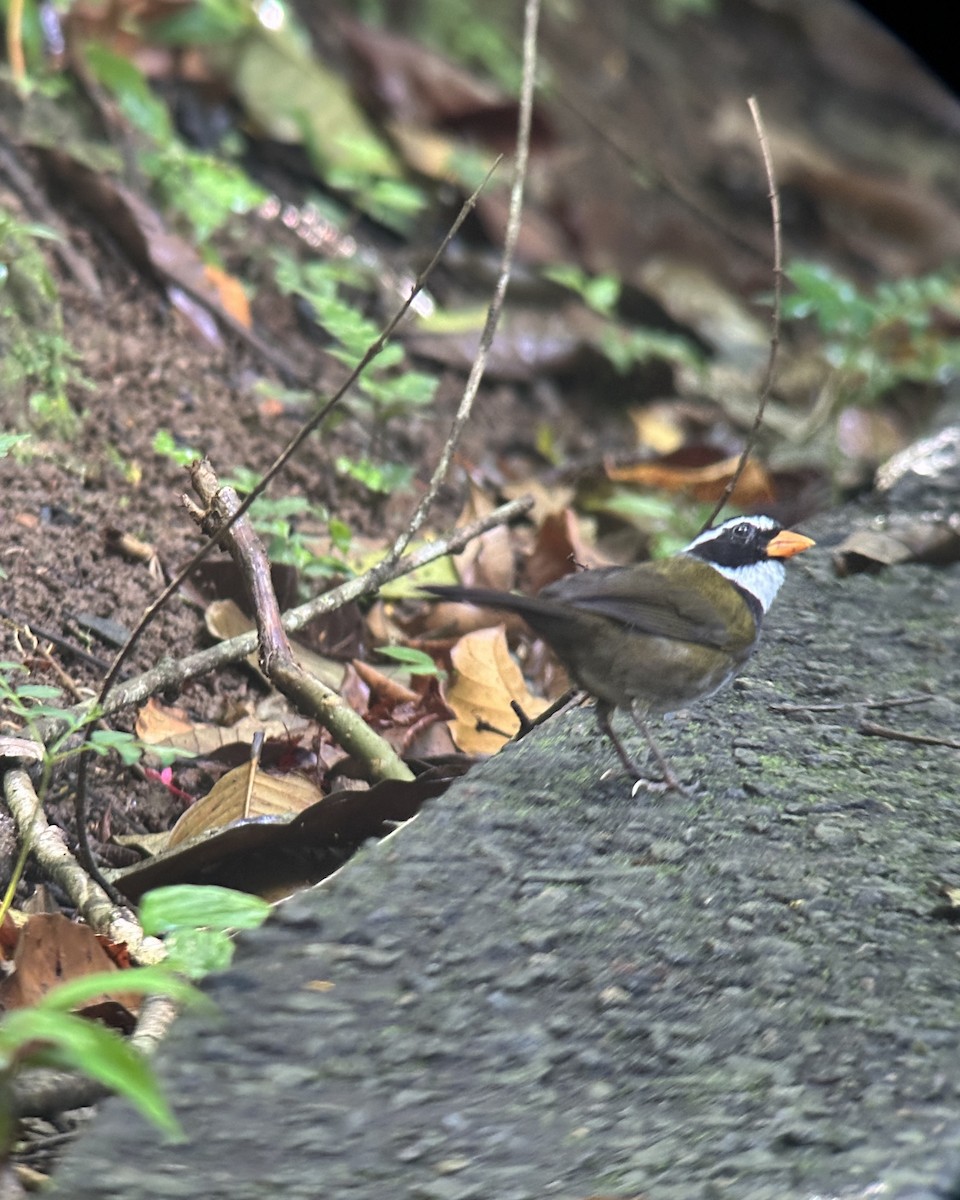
787 543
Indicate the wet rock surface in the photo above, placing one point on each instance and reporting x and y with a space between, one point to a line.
542 987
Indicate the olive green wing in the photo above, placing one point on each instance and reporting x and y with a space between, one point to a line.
678 598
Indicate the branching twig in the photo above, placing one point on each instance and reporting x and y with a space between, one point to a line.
765 388
171 674
80 795
308 693
532 12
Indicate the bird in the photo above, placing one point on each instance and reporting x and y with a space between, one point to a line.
653 637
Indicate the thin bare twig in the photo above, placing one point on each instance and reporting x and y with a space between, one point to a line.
528 724
766 387
524 119
95 904
841 706
903 735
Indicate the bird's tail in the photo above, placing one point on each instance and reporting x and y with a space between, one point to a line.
526 606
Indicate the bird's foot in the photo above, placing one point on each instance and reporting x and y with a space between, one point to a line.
668 783
660 787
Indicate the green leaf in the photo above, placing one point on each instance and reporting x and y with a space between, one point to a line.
211 22
191 906
295 98
105 741
39 691
9 440
340 534
416 661
207 190
145 981
197 952
166 445
600 292
378 477
137 102
409 390
627 347
73 1043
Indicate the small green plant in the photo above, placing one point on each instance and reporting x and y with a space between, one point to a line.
194 922
279 521
876 340
38 363
600 292
384 478
385 390
204 189
48 1034
624 346
669 526
9 441
29 703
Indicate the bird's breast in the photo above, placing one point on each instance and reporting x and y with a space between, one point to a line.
660 674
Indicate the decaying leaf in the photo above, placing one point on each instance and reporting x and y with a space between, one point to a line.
275 858
559 549
170 728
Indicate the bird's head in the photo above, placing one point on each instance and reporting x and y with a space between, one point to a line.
749 551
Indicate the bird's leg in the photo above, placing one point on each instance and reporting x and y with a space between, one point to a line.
672 782
603 720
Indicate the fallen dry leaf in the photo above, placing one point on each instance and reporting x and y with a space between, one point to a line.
170 729
559 549
233 797
702 481
274 858
50 950
916 541
160 723
488 561
487 679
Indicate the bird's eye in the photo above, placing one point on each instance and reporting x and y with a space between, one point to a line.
743 532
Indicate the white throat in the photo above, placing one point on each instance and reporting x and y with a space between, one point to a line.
762 580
